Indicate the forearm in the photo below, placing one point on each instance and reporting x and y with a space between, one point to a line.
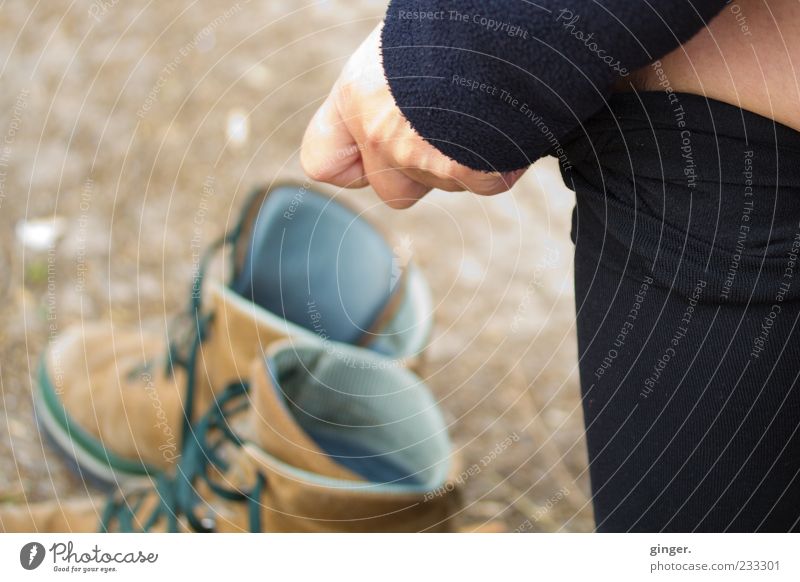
496 84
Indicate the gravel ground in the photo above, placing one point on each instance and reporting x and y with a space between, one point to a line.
116 113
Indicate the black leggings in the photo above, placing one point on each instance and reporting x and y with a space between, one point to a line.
687 233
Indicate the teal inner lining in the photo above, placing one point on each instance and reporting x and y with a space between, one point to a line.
317 264
380 422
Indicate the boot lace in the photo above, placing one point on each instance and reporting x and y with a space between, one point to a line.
184 346
177 496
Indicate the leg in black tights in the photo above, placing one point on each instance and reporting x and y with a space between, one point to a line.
687 232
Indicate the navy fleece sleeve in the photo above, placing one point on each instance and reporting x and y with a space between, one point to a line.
496 84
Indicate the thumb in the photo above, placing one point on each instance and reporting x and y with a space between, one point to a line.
329 152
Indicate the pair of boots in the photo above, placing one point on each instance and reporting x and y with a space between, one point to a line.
287 405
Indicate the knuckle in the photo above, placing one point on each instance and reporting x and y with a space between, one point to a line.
373 136
454 171
405 157
310 165
487 187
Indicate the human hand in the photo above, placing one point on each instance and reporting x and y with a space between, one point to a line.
360 137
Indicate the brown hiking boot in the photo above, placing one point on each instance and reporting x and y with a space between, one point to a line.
320 440
118 403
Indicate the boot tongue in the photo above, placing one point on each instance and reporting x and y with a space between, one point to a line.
275 428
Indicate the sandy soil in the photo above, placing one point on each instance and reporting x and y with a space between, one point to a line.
115 113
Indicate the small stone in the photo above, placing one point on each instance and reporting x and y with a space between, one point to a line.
40 234
238 127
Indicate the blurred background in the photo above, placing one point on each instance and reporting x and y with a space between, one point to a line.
116 113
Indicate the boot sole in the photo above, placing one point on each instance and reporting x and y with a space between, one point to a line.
84 455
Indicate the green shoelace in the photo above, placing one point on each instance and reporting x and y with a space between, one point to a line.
185 351
177 495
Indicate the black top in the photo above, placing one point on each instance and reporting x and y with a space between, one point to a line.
496 84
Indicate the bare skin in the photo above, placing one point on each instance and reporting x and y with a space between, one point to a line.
360 137
749 56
